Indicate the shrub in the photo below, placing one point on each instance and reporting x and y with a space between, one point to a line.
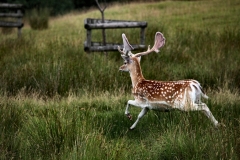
38 18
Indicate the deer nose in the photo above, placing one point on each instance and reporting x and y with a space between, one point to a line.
120 68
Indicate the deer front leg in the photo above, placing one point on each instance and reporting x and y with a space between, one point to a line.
127 113
141 114
134 103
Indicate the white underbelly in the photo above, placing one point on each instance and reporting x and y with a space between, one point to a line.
160 106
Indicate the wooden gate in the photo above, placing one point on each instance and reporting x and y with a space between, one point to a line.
91 24
13 12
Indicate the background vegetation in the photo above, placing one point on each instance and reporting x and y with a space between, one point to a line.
58 102
62 6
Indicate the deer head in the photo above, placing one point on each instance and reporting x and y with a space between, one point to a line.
130 58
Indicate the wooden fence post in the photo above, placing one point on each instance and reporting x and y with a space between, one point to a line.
19 21
89 34
142 35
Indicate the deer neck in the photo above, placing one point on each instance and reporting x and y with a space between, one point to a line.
136 73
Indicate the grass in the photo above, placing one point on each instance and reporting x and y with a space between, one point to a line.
58 102
90 127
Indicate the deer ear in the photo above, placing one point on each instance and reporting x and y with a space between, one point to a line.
126 45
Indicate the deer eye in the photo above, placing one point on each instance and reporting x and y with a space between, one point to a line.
125 63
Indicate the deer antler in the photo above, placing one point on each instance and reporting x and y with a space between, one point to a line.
159 42
126 52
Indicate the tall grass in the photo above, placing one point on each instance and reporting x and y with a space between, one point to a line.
94 127
57 102
212 58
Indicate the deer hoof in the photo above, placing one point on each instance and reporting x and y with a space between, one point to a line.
132 128
221 125
129 116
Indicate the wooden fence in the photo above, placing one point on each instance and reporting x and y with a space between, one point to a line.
11 16
91 24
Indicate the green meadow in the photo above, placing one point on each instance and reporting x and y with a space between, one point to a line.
59 102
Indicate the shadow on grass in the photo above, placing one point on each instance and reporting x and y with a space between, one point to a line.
117 125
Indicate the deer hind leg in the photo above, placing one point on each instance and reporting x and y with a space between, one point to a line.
140 115
204 108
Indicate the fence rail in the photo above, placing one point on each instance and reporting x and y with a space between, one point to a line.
11 6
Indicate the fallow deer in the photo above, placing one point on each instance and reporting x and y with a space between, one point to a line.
184 95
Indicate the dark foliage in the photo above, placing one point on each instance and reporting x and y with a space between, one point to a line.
59 6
